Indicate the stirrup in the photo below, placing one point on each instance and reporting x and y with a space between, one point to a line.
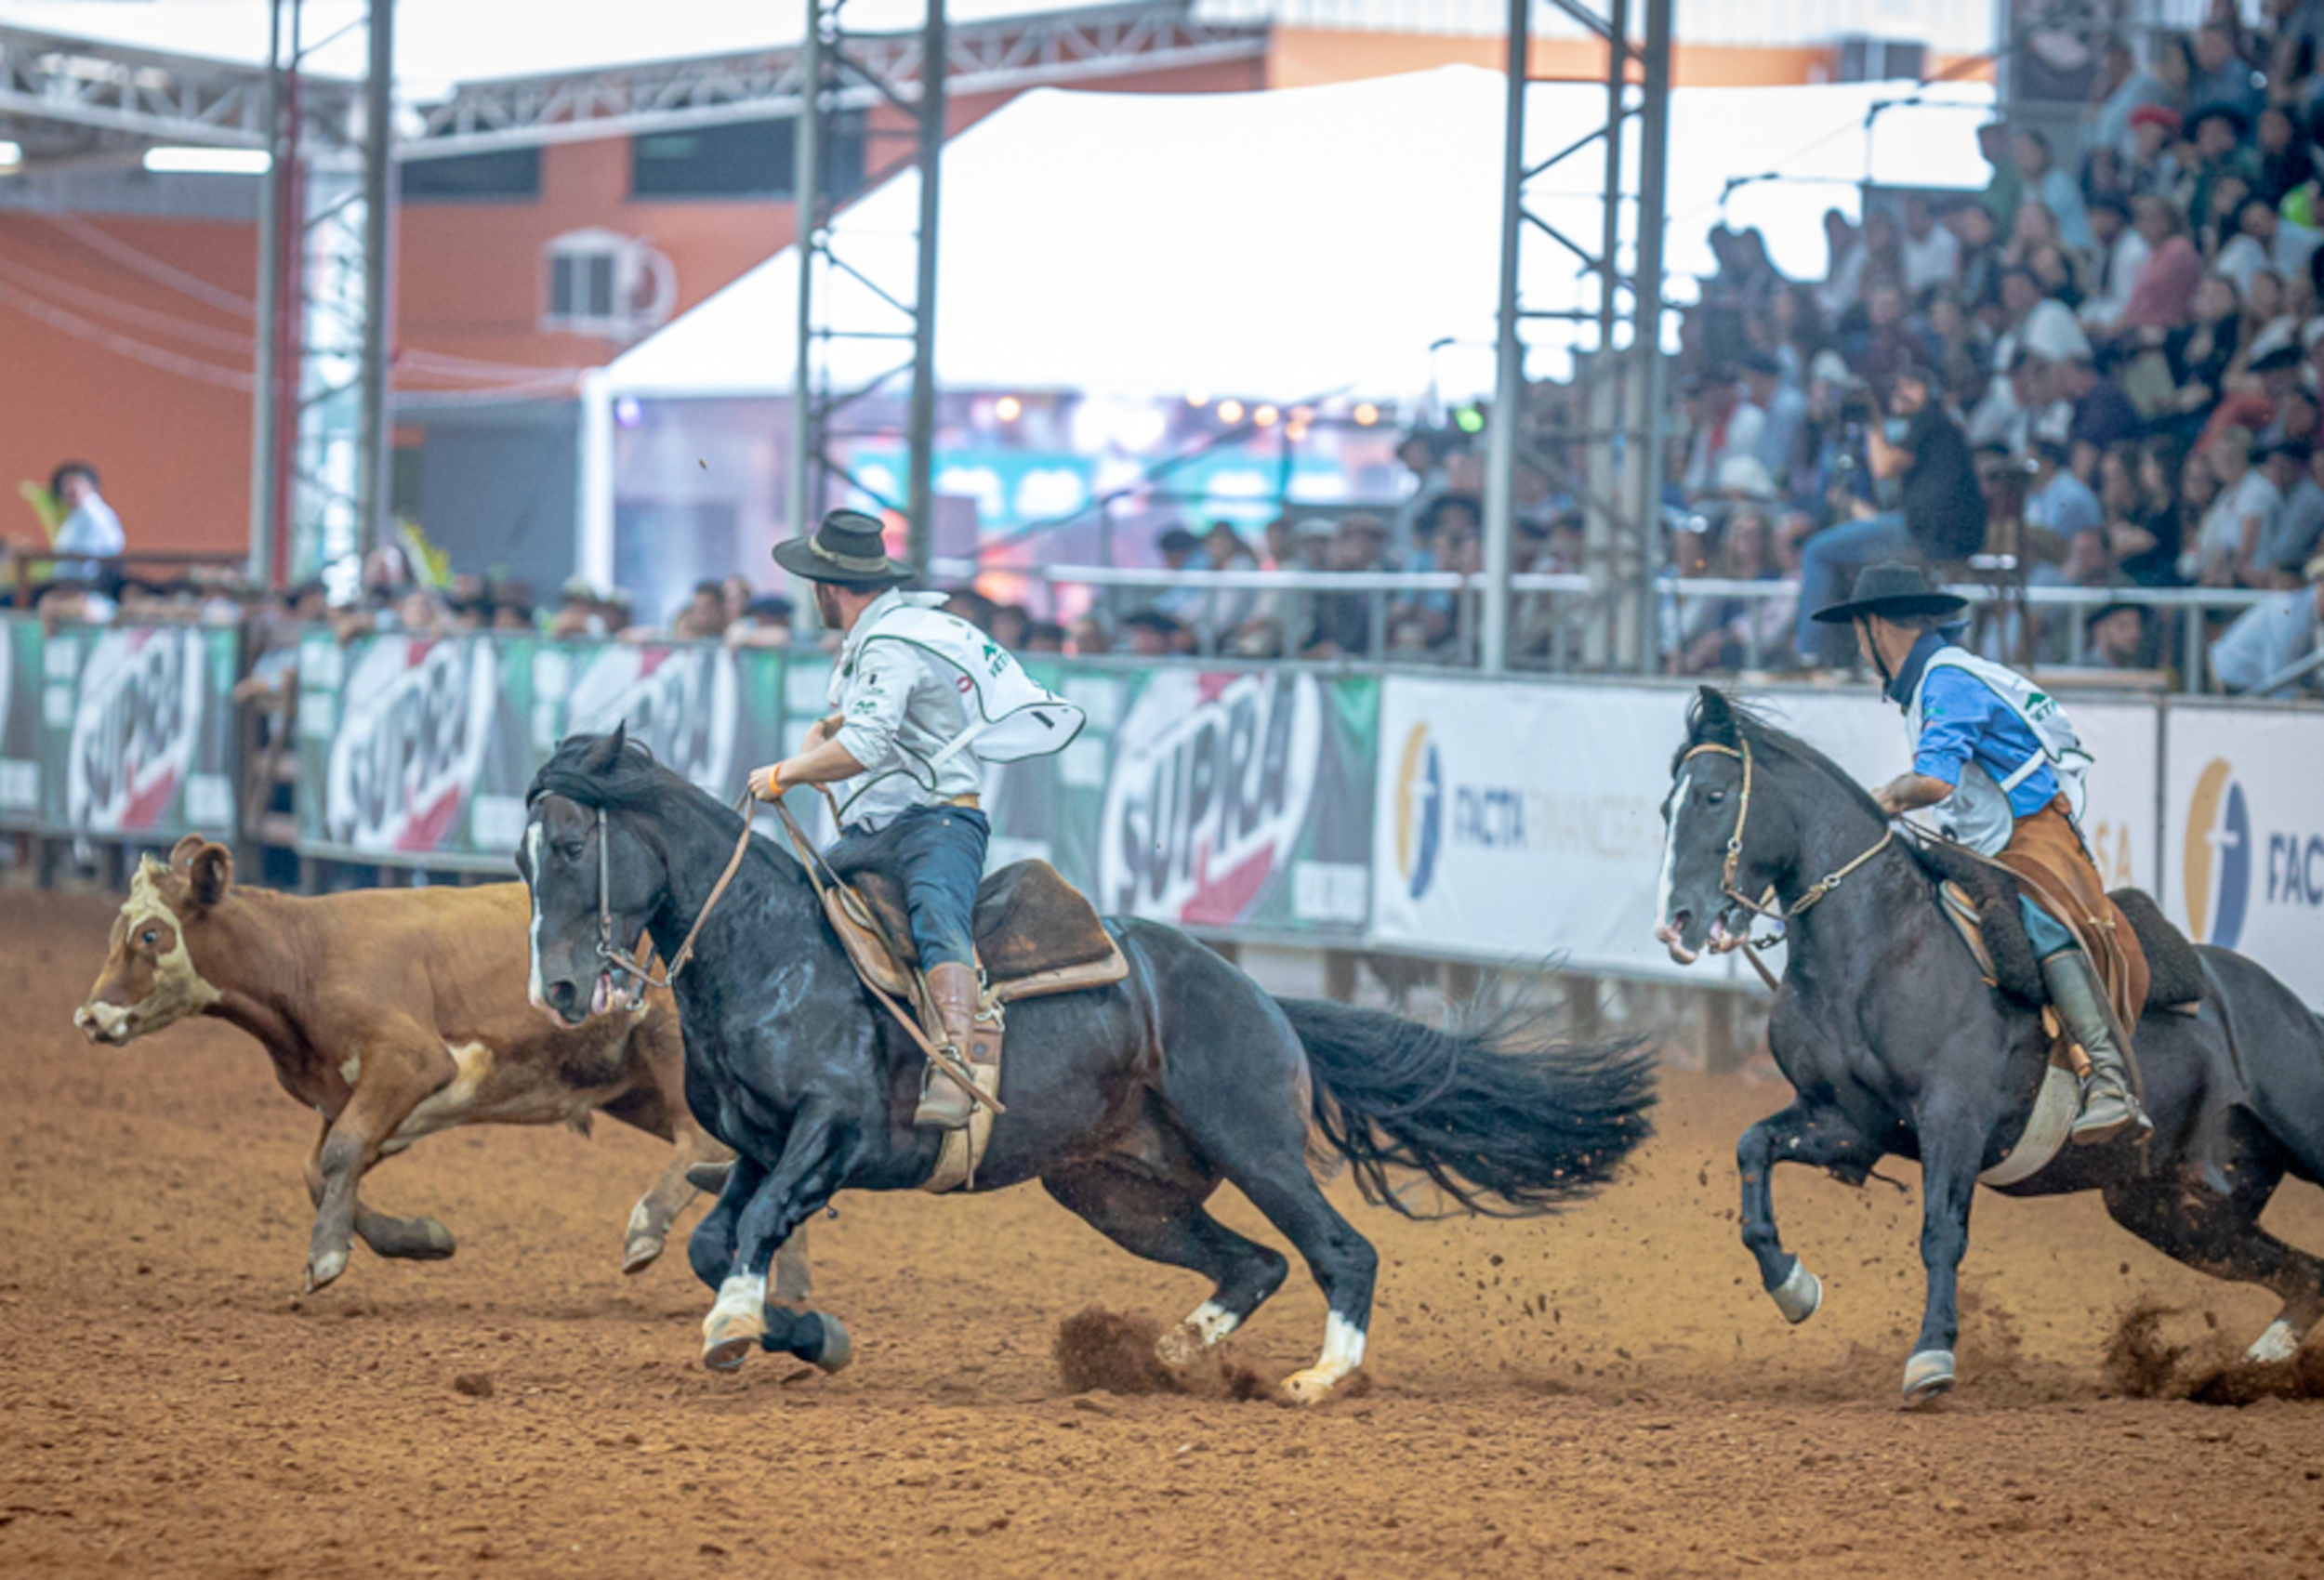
952 1110
2086 1132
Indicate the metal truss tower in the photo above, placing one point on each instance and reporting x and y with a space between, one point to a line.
839 79
1616 344
319 422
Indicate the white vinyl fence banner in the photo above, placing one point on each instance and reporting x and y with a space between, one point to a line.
2243 826
1522 821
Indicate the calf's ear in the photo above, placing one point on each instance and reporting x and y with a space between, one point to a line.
182 854
209 873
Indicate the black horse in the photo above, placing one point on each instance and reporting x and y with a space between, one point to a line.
1895 1045
1128 1103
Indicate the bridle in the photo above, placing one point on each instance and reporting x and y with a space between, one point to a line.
636 964
1767 903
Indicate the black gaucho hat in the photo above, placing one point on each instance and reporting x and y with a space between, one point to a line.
1893 591
846 548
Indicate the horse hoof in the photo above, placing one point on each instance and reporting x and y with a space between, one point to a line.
322 1269
1928 1375
729 1337
641 1253
709 1177
1800 1295
835 1353
1180 1348
1310 1387
2275 1347
435 1242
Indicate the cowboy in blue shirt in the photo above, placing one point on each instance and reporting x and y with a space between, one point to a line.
1992 757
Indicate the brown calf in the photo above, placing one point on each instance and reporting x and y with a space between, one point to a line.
393 1013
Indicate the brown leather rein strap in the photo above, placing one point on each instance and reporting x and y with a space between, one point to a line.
637 965
1766 904
819 873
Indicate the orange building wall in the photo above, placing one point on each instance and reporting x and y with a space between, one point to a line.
174 451
1308 57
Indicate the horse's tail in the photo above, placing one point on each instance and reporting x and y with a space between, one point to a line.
1507 1121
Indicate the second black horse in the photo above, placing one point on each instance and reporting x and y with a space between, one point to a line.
1130 1104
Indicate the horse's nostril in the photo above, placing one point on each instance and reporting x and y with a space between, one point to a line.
1680 918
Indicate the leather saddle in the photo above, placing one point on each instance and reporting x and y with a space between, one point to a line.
1036 934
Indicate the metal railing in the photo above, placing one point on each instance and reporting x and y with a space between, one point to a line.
1570 597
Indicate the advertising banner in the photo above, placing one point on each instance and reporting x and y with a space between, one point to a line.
710 712
418 746
1209 798
138 731
2243 827
20 722
1522 821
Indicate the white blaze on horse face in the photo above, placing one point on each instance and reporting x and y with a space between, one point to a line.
533 894
1667 881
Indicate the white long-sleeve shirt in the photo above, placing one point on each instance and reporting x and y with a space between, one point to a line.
899 708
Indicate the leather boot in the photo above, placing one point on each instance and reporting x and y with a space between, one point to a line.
2108 1108
943 1103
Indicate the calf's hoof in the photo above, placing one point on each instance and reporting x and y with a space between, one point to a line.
1800 1295
641 1253
1928 1376
322 1269
709 1176
1311 1386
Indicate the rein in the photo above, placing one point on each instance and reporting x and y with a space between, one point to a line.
1765 905
637 966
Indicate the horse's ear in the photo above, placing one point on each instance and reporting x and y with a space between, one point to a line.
608 750
1711 719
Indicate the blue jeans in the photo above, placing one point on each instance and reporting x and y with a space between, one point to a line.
1828 562
2048 934
937 853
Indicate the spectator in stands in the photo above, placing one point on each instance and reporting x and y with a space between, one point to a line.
2115 636
1088 638
2006 190
2270 638
1783 405
2284 542
2223 85
2162 297
88 527
1342 626
2120 252
2051 189
2224 550
1941 515
1181 551
703 617
765 622
1156 634
2298 533
1009 623
1044 636
2103 415
1846 258
2120 88
1930 252
2057 502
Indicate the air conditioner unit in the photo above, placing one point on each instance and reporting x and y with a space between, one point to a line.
1863 58
605 283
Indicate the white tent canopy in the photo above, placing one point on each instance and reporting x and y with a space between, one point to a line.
1287 245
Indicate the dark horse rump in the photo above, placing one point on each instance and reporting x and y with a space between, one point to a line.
2174 971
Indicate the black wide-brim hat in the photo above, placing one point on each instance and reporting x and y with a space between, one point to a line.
1893 591
846 548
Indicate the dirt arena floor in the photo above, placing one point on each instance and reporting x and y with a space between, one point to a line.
1606 1393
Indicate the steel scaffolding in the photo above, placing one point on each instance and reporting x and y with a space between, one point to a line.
834 71
1616 344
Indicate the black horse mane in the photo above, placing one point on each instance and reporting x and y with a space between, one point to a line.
1714 718
612 771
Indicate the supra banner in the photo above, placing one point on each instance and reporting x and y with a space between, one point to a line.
2243 835
137 736
1222 798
